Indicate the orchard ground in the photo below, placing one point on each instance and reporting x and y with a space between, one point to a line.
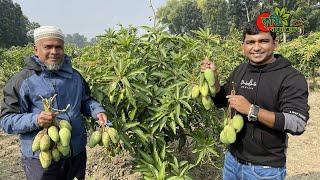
303 157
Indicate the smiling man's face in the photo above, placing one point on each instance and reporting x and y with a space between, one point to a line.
50 52
259 48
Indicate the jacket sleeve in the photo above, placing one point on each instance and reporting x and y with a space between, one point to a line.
14 117
89 106
293 103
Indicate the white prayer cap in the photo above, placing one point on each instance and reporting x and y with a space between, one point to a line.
47 32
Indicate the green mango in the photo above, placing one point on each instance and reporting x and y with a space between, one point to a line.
204 90
65 124
36 141
54 133
95 138
45 142
45 159
65 150
207 102
56 154
195 92
105 139
230 134
65 136
209 76
237 122
113 134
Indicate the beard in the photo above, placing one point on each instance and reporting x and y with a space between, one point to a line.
54 67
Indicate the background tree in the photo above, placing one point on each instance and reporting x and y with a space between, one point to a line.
13 24
181 16
77 39
15 28
309 13
220 16
30 27
215 16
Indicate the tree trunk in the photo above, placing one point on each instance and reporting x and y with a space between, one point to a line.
248 17
284 37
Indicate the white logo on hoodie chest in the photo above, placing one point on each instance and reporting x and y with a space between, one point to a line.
248 84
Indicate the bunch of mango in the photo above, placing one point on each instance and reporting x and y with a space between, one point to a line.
231 127
206 86
103 136
54 140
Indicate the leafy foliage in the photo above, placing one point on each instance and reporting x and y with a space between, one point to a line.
145 83
11 61
304 53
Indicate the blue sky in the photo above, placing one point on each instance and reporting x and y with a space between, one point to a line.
86 17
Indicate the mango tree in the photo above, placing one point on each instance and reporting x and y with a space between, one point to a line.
145 84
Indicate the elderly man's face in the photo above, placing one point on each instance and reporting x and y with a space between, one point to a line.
50 52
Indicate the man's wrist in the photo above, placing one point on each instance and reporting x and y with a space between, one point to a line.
36 120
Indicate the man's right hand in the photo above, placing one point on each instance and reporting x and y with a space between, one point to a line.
207 64
45 119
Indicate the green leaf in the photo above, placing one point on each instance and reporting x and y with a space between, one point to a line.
186 168
154 128
173 126
285 23
178 108
154 170
200 157
282 11
277 11
125 81
132 113
213 151
113 86
130 97
286 16
186 105
163 122
179 121
135 72
174 178
142 87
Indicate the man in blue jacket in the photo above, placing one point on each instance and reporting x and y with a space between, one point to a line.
49 72
272 98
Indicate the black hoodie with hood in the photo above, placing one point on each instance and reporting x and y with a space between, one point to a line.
276 87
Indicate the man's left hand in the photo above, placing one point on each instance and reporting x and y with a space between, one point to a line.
239 103
102 118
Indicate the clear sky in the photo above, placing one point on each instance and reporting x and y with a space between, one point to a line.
89 17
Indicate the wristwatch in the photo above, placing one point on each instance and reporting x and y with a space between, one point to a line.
253 113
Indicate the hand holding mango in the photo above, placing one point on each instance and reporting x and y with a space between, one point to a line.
206 85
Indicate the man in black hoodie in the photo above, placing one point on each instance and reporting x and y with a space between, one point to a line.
272 98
